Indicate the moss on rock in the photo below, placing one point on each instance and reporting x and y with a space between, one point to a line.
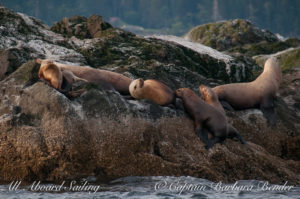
288 59
239 36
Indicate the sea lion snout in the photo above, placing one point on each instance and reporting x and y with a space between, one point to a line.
178 92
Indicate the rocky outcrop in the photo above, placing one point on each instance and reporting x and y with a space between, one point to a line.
81 27
239 36
288 58
46 135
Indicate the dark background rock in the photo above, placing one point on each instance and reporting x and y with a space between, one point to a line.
46 135
81 27
239 36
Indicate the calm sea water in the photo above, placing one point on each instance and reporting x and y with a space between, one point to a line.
150 188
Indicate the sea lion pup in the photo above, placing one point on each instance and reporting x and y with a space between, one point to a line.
106 79
211 98
206 117
152 90
258 93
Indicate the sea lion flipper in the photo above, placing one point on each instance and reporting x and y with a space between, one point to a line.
226 105
203 135
232 133
268 109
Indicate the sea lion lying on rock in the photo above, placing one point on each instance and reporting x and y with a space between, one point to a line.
258 93
206 117
106 79
152 90
60 80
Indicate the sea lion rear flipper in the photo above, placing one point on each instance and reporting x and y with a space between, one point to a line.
268 109
226 105
232 133
202 133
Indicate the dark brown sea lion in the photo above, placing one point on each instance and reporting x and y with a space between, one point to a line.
258 93
206 117
212 99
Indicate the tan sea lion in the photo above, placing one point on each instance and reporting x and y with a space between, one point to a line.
106 79
61 80
51 74
258 93
206 117
152 90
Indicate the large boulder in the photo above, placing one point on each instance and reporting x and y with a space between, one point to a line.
288 58
46 135
81 27
239 36
24 38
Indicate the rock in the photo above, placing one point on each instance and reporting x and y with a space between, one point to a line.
25 38
81 27
96 25
11 59
46 135
73 26
239 36
288 58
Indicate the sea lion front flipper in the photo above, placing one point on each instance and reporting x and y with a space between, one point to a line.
226 105
201 132
268 109
232 133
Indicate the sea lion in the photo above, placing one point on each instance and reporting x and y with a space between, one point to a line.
206 117
106 79
152 90
60 80
258 93
211 98
51 74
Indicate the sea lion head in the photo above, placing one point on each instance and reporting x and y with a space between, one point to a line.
183 92
135 88
207 93
272 65
44 62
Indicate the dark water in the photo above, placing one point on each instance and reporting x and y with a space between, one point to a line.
151 188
